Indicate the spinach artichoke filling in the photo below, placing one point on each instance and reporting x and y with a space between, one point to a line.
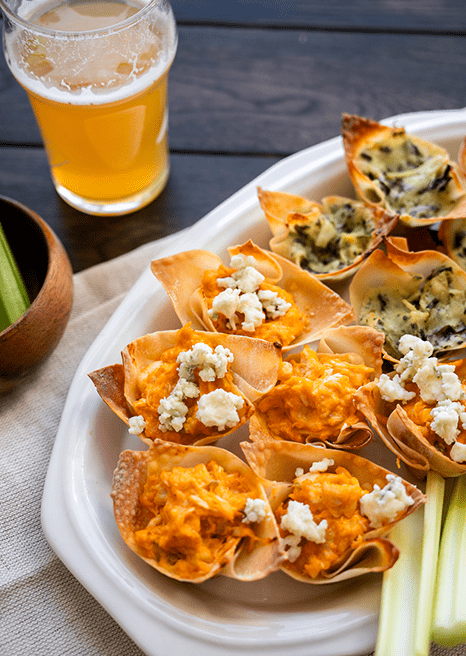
332 240
459 244
412 182
433 309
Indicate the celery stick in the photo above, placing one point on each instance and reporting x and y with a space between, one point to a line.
400 590
449 621
4 319
435 489
460 597
14 300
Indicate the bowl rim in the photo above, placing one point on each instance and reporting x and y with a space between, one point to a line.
41 225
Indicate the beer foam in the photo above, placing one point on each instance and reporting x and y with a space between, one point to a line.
92 68
89 94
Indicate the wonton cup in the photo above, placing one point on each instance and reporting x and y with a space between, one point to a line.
250 555
181 276
452 234
441 191
319 409
288 214
403 436
253 371
277 462
391 279
462 157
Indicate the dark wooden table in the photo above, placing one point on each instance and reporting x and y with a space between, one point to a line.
253 81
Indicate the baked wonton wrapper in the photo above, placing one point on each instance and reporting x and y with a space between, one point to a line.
315 307
462 157
331 239
169 537
404 174
313 400
421 293
278 462
452 234
253 371
406 439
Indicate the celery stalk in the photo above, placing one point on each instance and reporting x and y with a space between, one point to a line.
409 586
400 588
14 300
449 621
4 319
435 489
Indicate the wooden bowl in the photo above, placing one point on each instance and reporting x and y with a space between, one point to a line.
48 277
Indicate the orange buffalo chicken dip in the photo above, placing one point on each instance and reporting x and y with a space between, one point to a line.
328 514
194 512
434 421
432 395
198 516
188 391
257 294
242 302
314 396
333 508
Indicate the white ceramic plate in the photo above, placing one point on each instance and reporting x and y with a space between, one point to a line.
222 617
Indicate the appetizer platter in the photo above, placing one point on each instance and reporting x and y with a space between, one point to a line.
99 497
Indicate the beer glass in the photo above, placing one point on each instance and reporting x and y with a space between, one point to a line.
95 72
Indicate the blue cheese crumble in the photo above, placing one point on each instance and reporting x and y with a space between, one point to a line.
437 383
299 522
255 511
136 425
316 468
242 295
172 409
382 506
446 415
211 364
217 408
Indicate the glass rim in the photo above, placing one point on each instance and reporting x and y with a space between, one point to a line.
99 31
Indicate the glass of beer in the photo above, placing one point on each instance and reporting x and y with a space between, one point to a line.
96 75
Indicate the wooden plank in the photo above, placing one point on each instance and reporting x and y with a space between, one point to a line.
197 185
276 92
412 15
17 123
269 91
431 16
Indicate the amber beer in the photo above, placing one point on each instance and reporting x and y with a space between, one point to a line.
96 76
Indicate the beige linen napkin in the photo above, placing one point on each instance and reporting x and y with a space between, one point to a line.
44 610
